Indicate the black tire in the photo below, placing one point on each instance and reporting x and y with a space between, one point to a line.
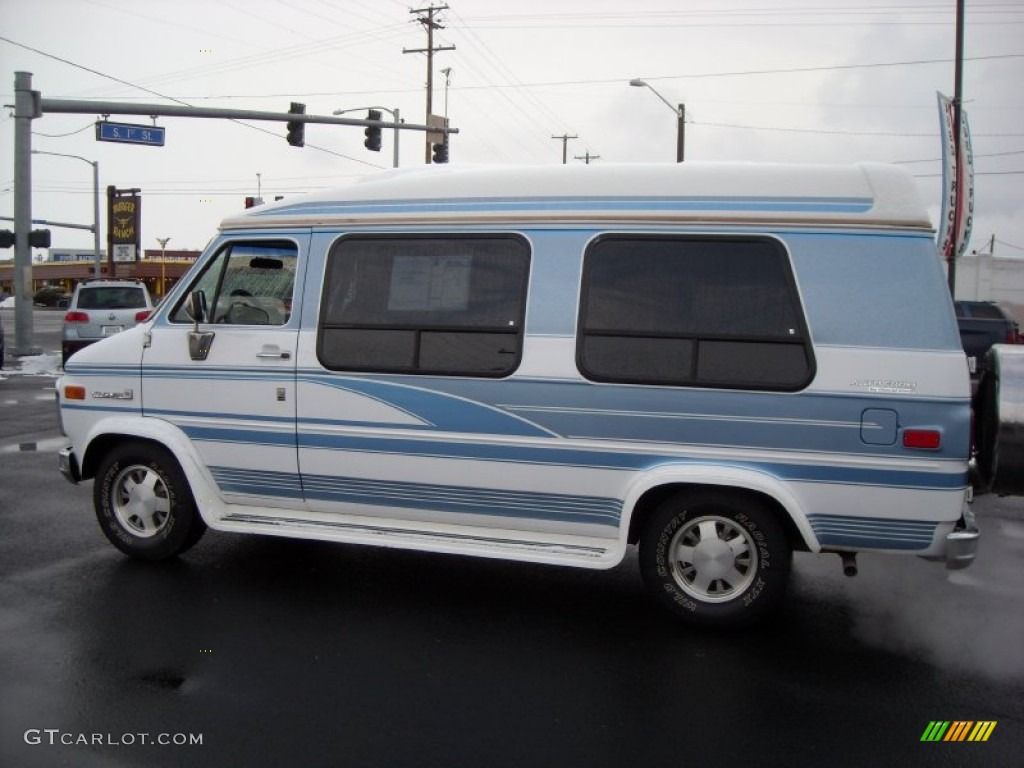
999 437
144 504
715 557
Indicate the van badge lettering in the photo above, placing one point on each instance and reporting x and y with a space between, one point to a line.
125 394
887 386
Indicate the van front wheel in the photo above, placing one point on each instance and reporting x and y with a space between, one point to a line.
143 502
715 558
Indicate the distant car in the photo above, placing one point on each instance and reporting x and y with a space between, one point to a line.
982 324
51 296
101 308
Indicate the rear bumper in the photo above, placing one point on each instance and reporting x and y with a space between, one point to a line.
68 465
962 541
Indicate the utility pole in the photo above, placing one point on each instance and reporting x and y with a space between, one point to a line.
431 24
564 138
957 108
26 109
587 157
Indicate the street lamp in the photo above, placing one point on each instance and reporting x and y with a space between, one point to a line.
394 119
447 72
163 263
95 202
680 114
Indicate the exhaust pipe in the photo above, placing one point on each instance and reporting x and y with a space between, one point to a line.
849 563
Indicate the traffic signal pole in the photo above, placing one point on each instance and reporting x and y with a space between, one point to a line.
88 107
29 105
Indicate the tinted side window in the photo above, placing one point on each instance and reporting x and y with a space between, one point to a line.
711 312
424 304
246 284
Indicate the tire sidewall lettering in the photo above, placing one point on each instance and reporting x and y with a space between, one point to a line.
182 527
765 537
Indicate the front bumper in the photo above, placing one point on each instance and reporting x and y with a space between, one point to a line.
962 541
68 465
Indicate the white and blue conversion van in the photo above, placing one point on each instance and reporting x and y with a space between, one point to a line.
721 364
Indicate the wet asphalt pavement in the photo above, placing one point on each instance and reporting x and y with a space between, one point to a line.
278 652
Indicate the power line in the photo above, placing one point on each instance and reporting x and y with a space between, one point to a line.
1008 245
976 173
604 81
518 113
691 76
63 135
939 159
170 98
891 134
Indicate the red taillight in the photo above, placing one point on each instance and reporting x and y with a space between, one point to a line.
140 316
925 439
76 317
1012 337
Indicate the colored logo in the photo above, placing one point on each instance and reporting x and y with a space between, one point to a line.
958 730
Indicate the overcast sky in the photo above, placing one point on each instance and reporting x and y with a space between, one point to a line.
762 80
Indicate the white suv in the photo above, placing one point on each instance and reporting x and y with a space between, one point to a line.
101 308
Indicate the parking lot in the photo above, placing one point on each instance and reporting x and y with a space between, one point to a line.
282 652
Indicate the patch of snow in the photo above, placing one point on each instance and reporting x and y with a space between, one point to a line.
36 365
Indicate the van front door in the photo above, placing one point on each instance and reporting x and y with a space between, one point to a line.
228 380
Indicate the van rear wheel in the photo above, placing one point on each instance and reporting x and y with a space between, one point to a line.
143 502
715 558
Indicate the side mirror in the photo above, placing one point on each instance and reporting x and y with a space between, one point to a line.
199 342
197 308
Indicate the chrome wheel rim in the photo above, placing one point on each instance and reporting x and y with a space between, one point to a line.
712 559
140 501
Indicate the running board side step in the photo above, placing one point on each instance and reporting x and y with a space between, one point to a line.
590 553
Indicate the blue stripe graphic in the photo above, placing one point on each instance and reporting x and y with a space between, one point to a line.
258 483
872 532
556 455
448 498
576 204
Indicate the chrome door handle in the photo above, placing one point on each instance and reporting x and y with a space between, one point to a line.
277 355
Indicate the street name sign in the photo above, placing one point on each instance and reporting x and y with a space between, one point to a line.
127 133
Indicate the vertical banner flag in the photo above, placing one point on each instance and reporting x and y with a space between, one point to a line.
957 183
965 187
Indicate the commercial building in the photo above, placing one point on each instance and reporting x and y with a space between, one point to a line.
66 267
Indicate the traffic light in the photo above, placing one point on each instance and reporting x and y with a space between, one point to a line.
39 238
372 142
441 151
297 130
6 238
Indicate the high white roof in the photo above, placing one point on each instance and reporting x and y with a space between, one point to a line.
866 194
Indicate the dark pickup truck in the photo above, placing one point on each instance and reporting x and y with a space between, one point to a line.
982 324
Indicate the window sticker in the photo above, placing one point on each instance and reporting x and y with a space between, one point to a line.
429 283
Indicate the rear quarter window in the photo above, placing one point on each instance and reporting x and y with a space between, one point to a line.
694 311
